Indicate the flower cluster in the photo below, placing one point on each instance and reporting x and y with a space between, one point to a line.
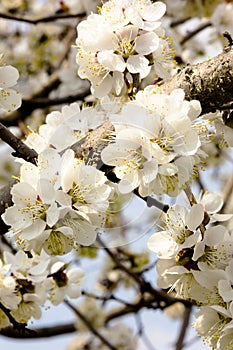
71 122
28 280
9 98
125 39
156 147
195 261
58 204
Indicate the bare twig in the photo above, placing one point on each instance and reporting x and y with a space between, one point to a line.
228 106
51 18
90 327
160 297
190 195
44 102
21 327
105 298
152 202
180 341
142 334
194 32
227 195
179 21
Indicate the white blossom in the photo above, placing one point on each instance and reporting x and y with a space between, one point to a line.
153 149
65 282
9 98
119 40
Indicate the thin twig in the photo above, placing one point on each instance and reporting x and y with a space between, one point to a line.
21 327
48 102
227 194
106 298
194 32
89 325
30 104
68 41
51 18
180 341
190 195
161 297
179 21
142 334
226 107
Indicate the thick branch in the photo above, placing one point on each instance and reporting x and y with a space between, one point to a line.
21 149
5 201
210 82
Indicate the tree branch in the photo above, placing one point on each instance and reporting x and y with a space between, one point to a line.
194 32
51 18
21 149
90 327
160 296
180 341
210 82
44 332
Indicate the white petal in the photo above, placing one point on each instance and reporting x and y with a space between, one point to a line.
194 109
138 64
111 61
162 244
102 87
73 291
150 170
86 235
195 217
208 279
118 81
52 215
129 182
34 230
14 217
147 43
214 235
8 76
10 100
46 191
168 169
154 12
75 275
23 193
225 290
67 170
212 202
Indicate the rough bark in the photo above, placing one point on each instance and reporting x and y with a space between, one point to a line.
210 82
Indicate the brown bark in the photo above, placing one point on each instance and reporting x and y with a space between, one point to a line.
210 82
